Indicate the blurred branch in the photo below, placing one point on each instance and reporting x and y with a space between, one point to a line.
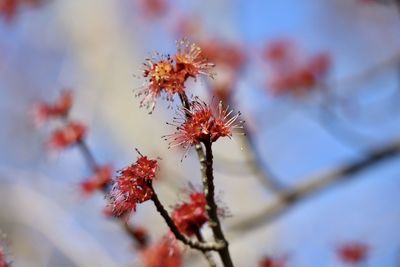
314 185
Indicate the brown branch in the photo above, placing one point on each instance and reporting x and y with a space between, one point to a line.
202 246
314 185
212 209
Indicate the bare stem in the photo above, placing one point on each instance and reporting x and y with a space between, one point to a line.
212 208
88 155
202 246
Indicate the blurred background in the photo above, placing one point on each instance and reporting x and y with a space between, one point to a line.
297 128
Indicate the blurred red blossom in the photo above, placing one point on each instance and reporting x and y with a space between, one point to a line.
3 261
165 253
68 135
272 262
131 187
153 9
167 75
9 8
98 181
222 52
60 108
140 234
190 60
190 216
230 59
353 252
203 124
290 72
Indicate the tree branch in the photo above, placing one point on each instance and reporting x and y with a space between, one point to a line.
212 209
314 185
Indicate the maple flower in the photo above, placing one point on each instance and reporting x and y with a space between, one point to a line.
353 253
224 53
190 216
202 124
98 181
44 111
272 262
3 261
161 77
154 8
9 8
165 76
281 50
190 61
292 72
67 136
131 187
165 253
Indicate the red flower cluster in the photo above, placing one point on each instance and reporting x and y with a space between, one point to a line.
202 124
353 253
9 8
168 75
60 108
98 181
224 53
67 136
153 8
3 261
290 73
191 216
131 187
166 253
271 262
230 59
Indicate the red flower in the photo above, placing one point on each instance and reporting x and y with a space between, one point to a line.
224 53
353 253
67 136
279 51
190 61
191 216
154 8
9 8
131 187
291 73
166 76
60 108
203 124
271 262
3 261
165 253
98 181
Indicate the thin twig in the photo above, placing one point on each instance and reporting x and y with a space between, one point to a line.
202 246
212 208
